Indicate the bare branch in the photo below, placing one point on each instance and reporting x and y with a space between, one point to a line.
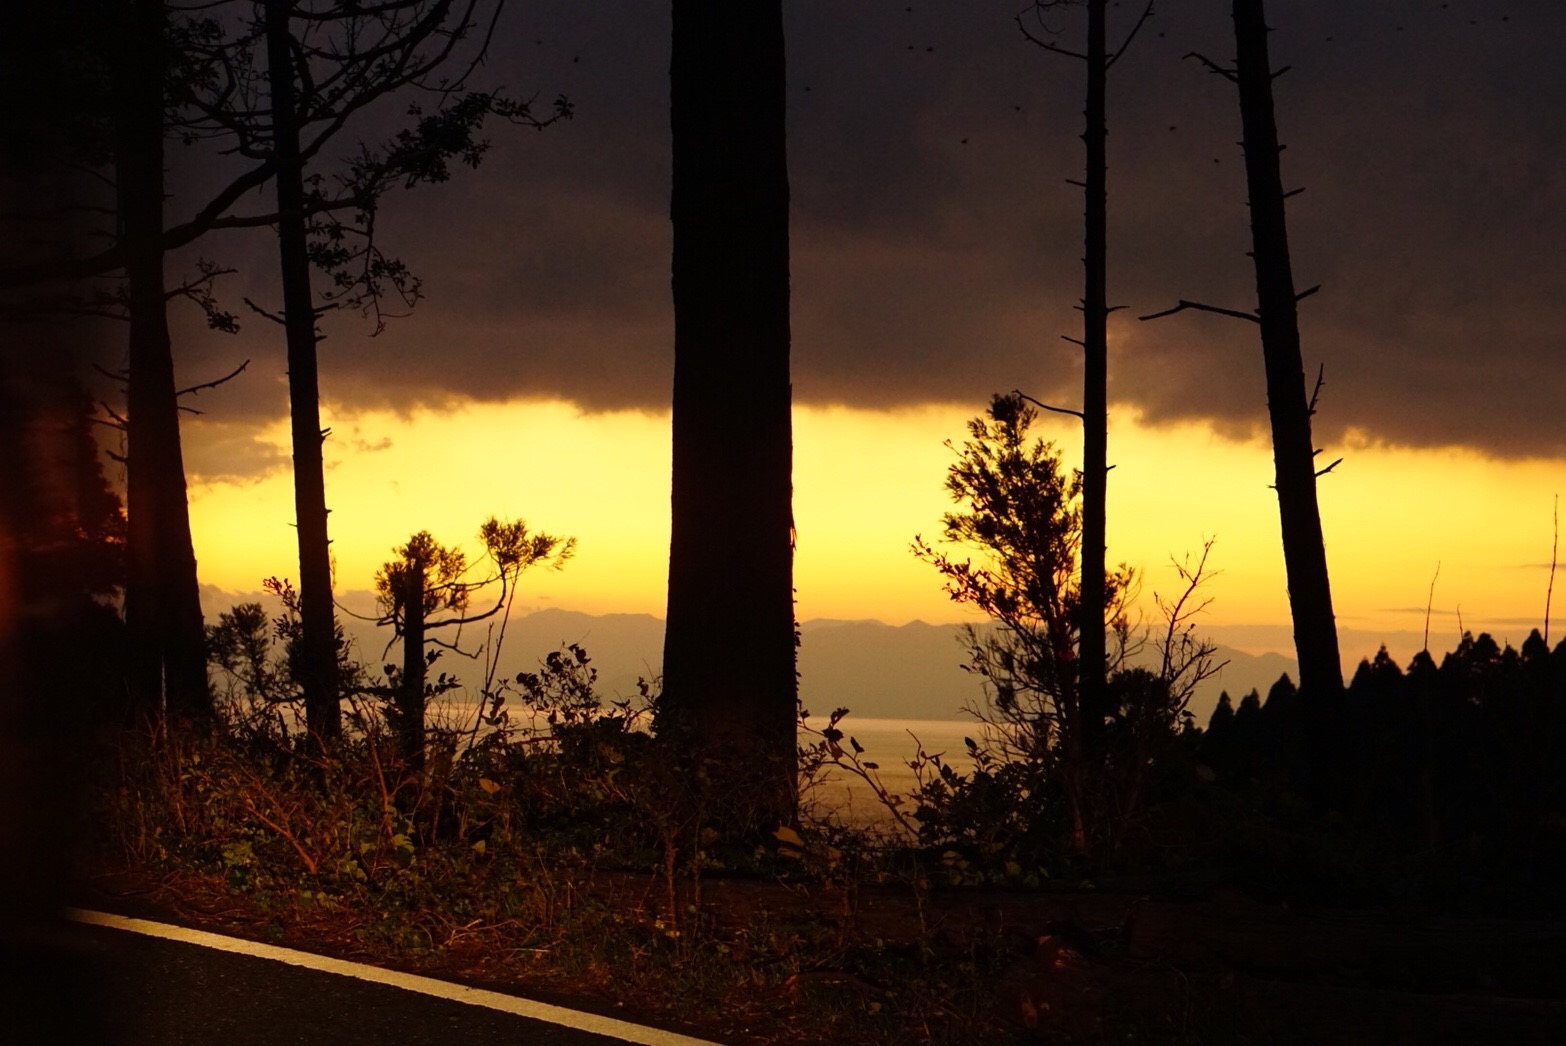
1321 379
118 420
1555 545
230 376
1237 314
1430 601
1045 406
274 317
1147 13
1329 468
1047 45
1307 292
1212 66
1186 661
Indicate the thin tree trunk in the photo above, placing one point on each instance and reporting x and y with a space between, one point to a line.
162 597
1304 550
410 710
1095 405
318 633
729 659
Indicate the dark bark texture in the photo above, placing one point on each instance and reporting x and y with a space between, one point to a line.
1304 551
1095 381
318 639
162 601
729 664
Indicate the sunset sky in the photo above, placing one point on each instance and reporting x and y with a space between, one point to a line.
935 251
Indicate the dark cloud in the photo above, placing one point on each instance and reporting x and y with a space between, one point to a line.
936 244
217 451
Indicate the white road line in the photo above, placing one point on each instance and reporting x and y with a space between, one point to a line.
540 1011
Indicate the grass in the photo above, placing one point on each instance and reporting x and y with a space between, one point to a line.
549 875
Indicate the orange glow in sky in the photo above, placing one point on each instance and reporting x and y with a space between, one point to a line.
867 481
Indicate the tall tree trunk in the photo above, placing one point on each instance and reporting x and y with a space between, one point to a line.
1304 550
50 659
162 598
729 660
318 640
410 702
1095 380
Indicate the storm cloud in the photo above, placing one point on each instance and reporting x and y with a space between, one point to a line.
936 243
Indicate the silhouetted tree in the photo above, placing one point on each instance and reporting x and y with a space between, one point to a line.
319 73
729 685
424 579
162 600
428 578
1094 606
1276 313
150 69
1019 510
319 661
1217 744
1294 453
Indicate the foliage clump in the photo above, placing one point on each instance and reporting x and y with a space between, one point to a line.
1040 791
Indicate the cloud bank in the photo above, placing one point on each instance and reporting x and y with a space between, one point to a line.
936 243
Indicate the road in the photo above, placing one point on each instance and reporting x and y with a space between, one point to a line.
127 982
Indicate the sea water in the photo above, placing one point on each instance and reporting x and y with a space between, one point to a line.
891 744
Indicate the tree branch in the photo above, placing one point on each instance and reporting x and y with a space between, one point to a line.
1147 13
1329 468
1058 410
1041 42
230 376
1236 313
1212 66
274 317
1321 376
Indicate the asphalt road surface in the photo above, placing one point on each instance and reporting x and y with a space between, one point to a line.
123 982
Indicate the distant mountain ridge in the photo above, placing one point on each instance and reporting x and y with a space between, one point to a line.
876 670
915 671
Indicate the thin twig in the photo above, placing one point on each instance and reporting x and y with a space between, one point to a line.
1555 544
1147 13
1430 602
1046 44
1321 379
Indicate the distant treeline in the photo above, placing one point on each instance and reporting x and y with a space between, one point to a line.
1463 760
